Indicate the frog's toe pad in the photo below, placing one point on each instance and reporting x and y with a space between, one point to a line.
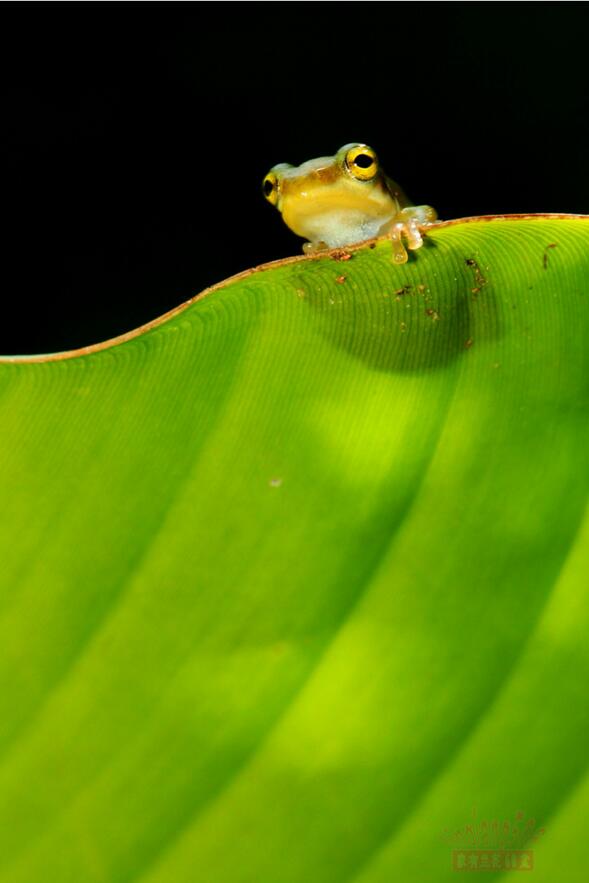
404 230
314 247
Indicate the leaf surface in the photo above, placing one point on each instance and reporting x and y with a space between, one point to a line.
295 578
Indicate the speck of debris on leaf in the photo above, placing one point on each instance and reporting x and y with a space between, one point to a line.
275 482
400 292
545 258
341 256
340 279
403 326
433 314
468 343
301 292
479 279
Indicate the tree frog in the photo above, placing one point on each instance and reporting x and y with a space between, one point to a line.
339 200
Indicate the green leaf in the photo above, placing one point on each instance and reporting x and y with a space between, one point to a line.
296 577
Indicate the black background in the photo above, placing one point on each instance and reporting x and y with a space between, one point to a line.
135 137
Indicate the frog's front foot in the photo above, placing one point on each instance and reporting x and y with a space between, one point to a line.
408 224
315 247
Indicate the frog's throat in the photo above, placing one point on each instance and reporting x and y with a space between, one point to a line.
337 227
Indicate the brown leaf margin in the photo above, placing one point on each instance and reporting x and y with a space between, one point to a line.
244 274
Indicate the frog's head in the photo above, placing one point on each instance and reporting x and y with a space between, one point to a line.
346 189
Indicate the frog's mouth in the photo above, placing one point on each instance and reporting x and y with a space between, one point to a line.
313 198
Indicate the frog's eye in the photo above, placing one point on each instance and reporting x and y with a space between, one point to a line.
361 162
270 187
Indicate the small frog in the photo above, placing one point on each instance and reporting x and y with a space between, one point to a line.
339 200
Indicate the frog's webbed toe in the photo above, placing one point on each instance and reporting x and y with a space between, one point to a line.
315 247
408 224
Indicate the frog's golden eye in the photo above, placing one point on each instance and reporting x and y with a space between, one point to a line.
361 162
270 187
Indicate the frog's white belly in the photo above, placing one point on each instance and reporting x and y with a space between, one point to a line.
337 228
